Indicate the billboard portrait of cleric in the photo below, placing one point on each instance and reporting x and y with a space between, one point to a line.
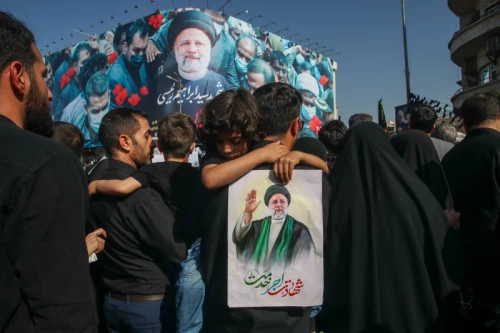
192 84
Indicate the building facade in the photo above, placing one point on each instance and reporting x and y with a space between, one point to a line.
475 47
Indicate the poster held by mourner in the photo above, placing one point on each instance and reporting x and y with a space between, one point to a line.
275 240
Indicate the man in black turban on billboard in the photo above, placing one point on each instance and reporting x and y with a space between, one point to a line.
275 239
192 36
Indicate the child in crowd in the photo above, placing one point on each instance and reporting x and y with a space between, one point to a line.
229 127
178 183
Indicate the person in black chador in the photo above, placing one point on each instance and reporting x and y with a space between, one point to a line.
417 150
394 262
277 238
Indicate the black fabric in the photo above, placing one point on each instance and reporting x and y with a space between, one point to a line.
179 184
211 157
143 250
218 317
311 146
417 150
45 284
393 261
473 171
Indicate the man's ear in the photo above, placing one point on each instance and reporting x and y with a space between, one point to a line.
124 47
125 142
294 129
193 146
18 78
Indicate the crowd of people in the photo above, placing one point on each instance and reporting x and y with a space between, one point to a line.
126 245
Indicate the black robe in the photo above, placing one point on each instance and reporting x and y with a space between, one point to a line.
394 259
473 171
417 150
301 243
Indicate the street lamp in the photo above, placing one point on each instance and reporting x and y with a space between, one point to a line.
258 16
224 5
289 37
131 12
266 25
407 67
277 32
311 44
243 11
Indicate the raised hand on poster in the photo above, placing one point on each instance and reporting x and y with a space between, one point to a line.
251 205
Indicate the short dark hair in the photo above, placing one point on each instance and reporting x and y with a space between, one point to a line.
445 132
279 105
480 108
176 134
69 135
139 26
83 46
332 135
97 85
118 122
358 117
423 118
280 56
119 37
259 66
233 110
97 62
16 40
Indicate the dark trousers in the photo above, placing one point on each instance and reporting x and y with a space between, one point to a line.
140 317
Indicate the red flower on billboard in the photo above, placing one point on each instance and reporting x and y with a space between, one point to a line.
64 81
112 57
71 72
144 91
118 89
315 124
134 99
155 20
323 80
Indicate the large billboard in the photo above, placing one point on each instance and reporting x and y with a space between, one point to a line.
177 61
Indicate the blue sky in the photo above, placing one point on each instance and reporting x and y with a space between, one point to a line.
367 32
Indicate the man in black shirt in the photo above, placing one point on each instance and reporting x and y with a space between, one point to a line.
473 171
142 257
279 106
45 283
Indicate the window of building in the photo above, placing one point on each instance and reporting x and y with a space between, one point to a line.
489 73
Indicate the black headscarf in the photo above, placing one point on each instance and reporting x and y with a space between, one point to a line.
392 258
417 150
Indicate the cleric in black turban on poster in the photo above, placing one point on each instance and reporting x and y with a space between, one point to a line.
276 239
192 34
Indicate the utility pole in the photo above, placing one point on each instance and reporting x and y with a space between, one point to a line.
407 67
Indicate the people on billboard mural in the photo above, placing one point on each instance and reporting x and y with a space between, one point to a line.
127 76
178 60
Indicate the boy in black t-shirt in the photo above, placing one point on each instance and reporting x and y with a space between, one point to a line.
179 185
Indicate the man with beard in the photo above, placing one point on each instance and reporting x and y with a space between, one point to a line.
95 107
277 239
74 88
129 69
43 200
192 34
142 258
280 67
221 56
